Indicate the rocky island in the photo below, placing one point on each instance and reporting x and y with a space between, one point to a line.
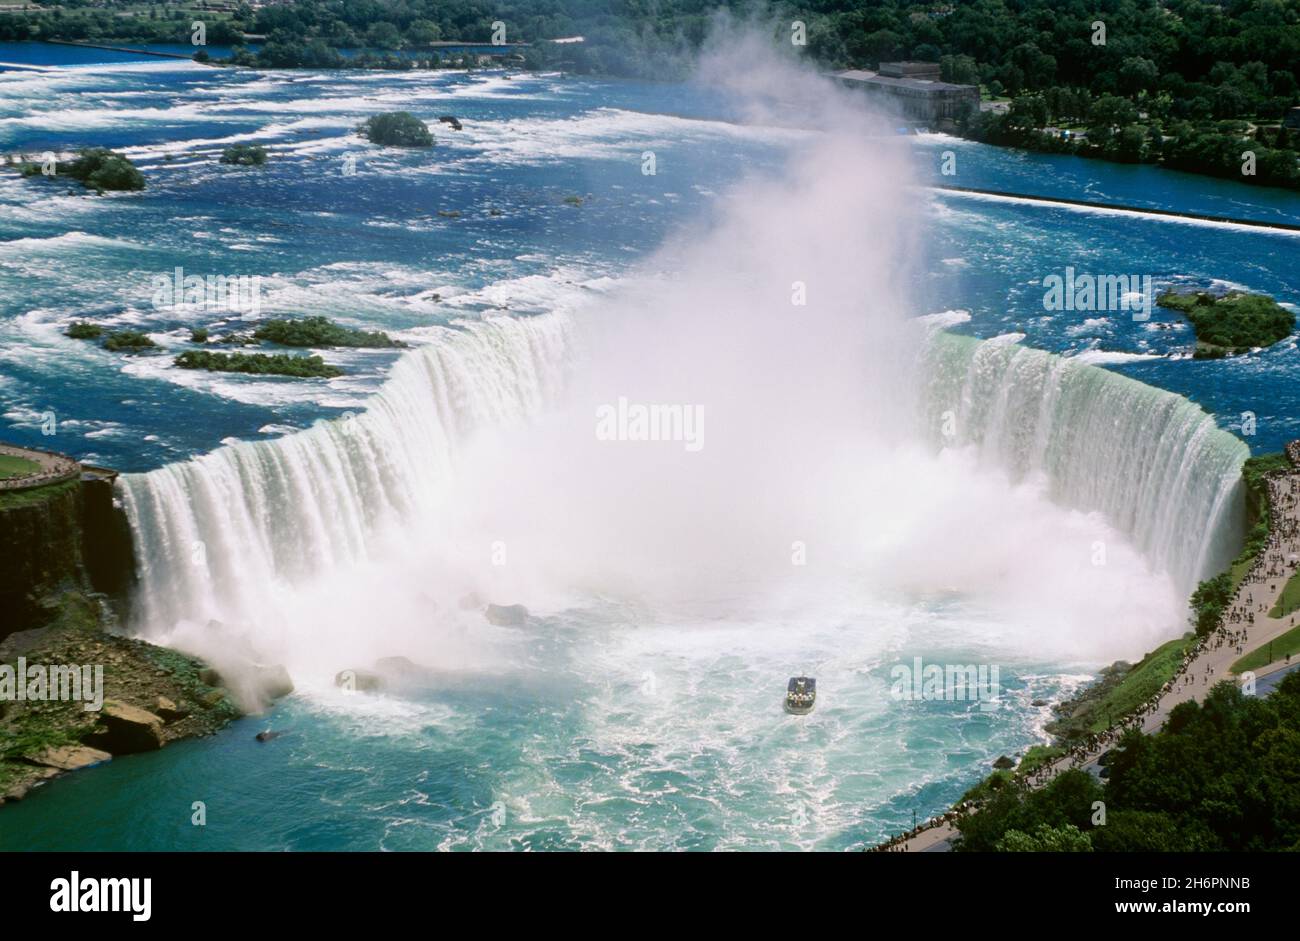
1231 323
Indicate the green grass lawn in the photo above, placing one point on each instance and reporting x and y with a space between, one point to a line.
10 499
1142 682
12 466
1118 694
1288 643
1289 599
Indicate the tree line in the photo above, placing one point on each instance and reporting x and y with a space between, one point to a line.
1191 84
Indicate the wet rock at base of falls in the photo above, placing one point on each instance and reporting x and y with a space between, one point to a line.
126 730
273 681
507 615
359 681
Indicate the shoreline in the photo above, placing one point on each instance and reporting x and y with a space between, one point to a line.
149 696
1215 651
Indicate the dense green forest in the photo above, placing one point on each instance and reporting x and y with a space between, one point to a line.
1222 775
1218 59
1191 84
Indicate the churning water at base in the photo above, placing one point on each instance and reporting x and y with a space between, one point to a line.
615 720
1156 465
611 724
215 534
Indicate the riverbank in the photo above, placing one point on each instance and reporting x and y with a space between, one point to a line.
1257 579
142 696
75 692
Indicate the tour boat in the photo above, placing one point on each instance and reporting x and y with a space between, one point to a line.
800 695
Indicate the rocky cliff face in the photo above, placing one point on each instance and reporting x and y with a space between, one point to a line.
144 696
60 536
106 546
40 541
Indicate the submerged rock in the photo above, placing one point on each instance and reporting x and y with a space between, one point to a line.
507 615
401 669
359 681
273 681
267 736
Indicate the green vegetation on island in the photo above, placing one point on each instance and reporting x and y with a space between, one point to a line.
259 364
1219 777
244 155
81 330
118 341
320 331
396 129
129 341
96 168
1233 323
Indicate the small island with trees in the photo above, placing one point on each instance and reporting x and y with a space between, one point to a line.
259 364
1233 323
318 332
321 331
304 332
244 155
396 129
96 168
117 341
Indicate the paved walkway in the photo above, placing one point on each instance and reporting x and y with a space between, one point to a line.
54 467
1245 626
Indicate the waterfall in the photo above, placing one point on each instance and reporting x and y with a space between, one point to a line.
214 534
1155 464
218 536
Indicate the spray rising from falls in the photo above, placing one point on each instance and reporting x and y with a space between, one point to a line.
1155 464
778 318
217 536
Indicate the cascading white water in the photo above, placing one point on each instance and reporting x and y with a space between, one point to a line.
1155 464
215 535
218 535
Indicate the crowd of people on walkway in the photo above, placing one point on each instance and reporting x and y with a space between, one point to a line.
1276 562
52 467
